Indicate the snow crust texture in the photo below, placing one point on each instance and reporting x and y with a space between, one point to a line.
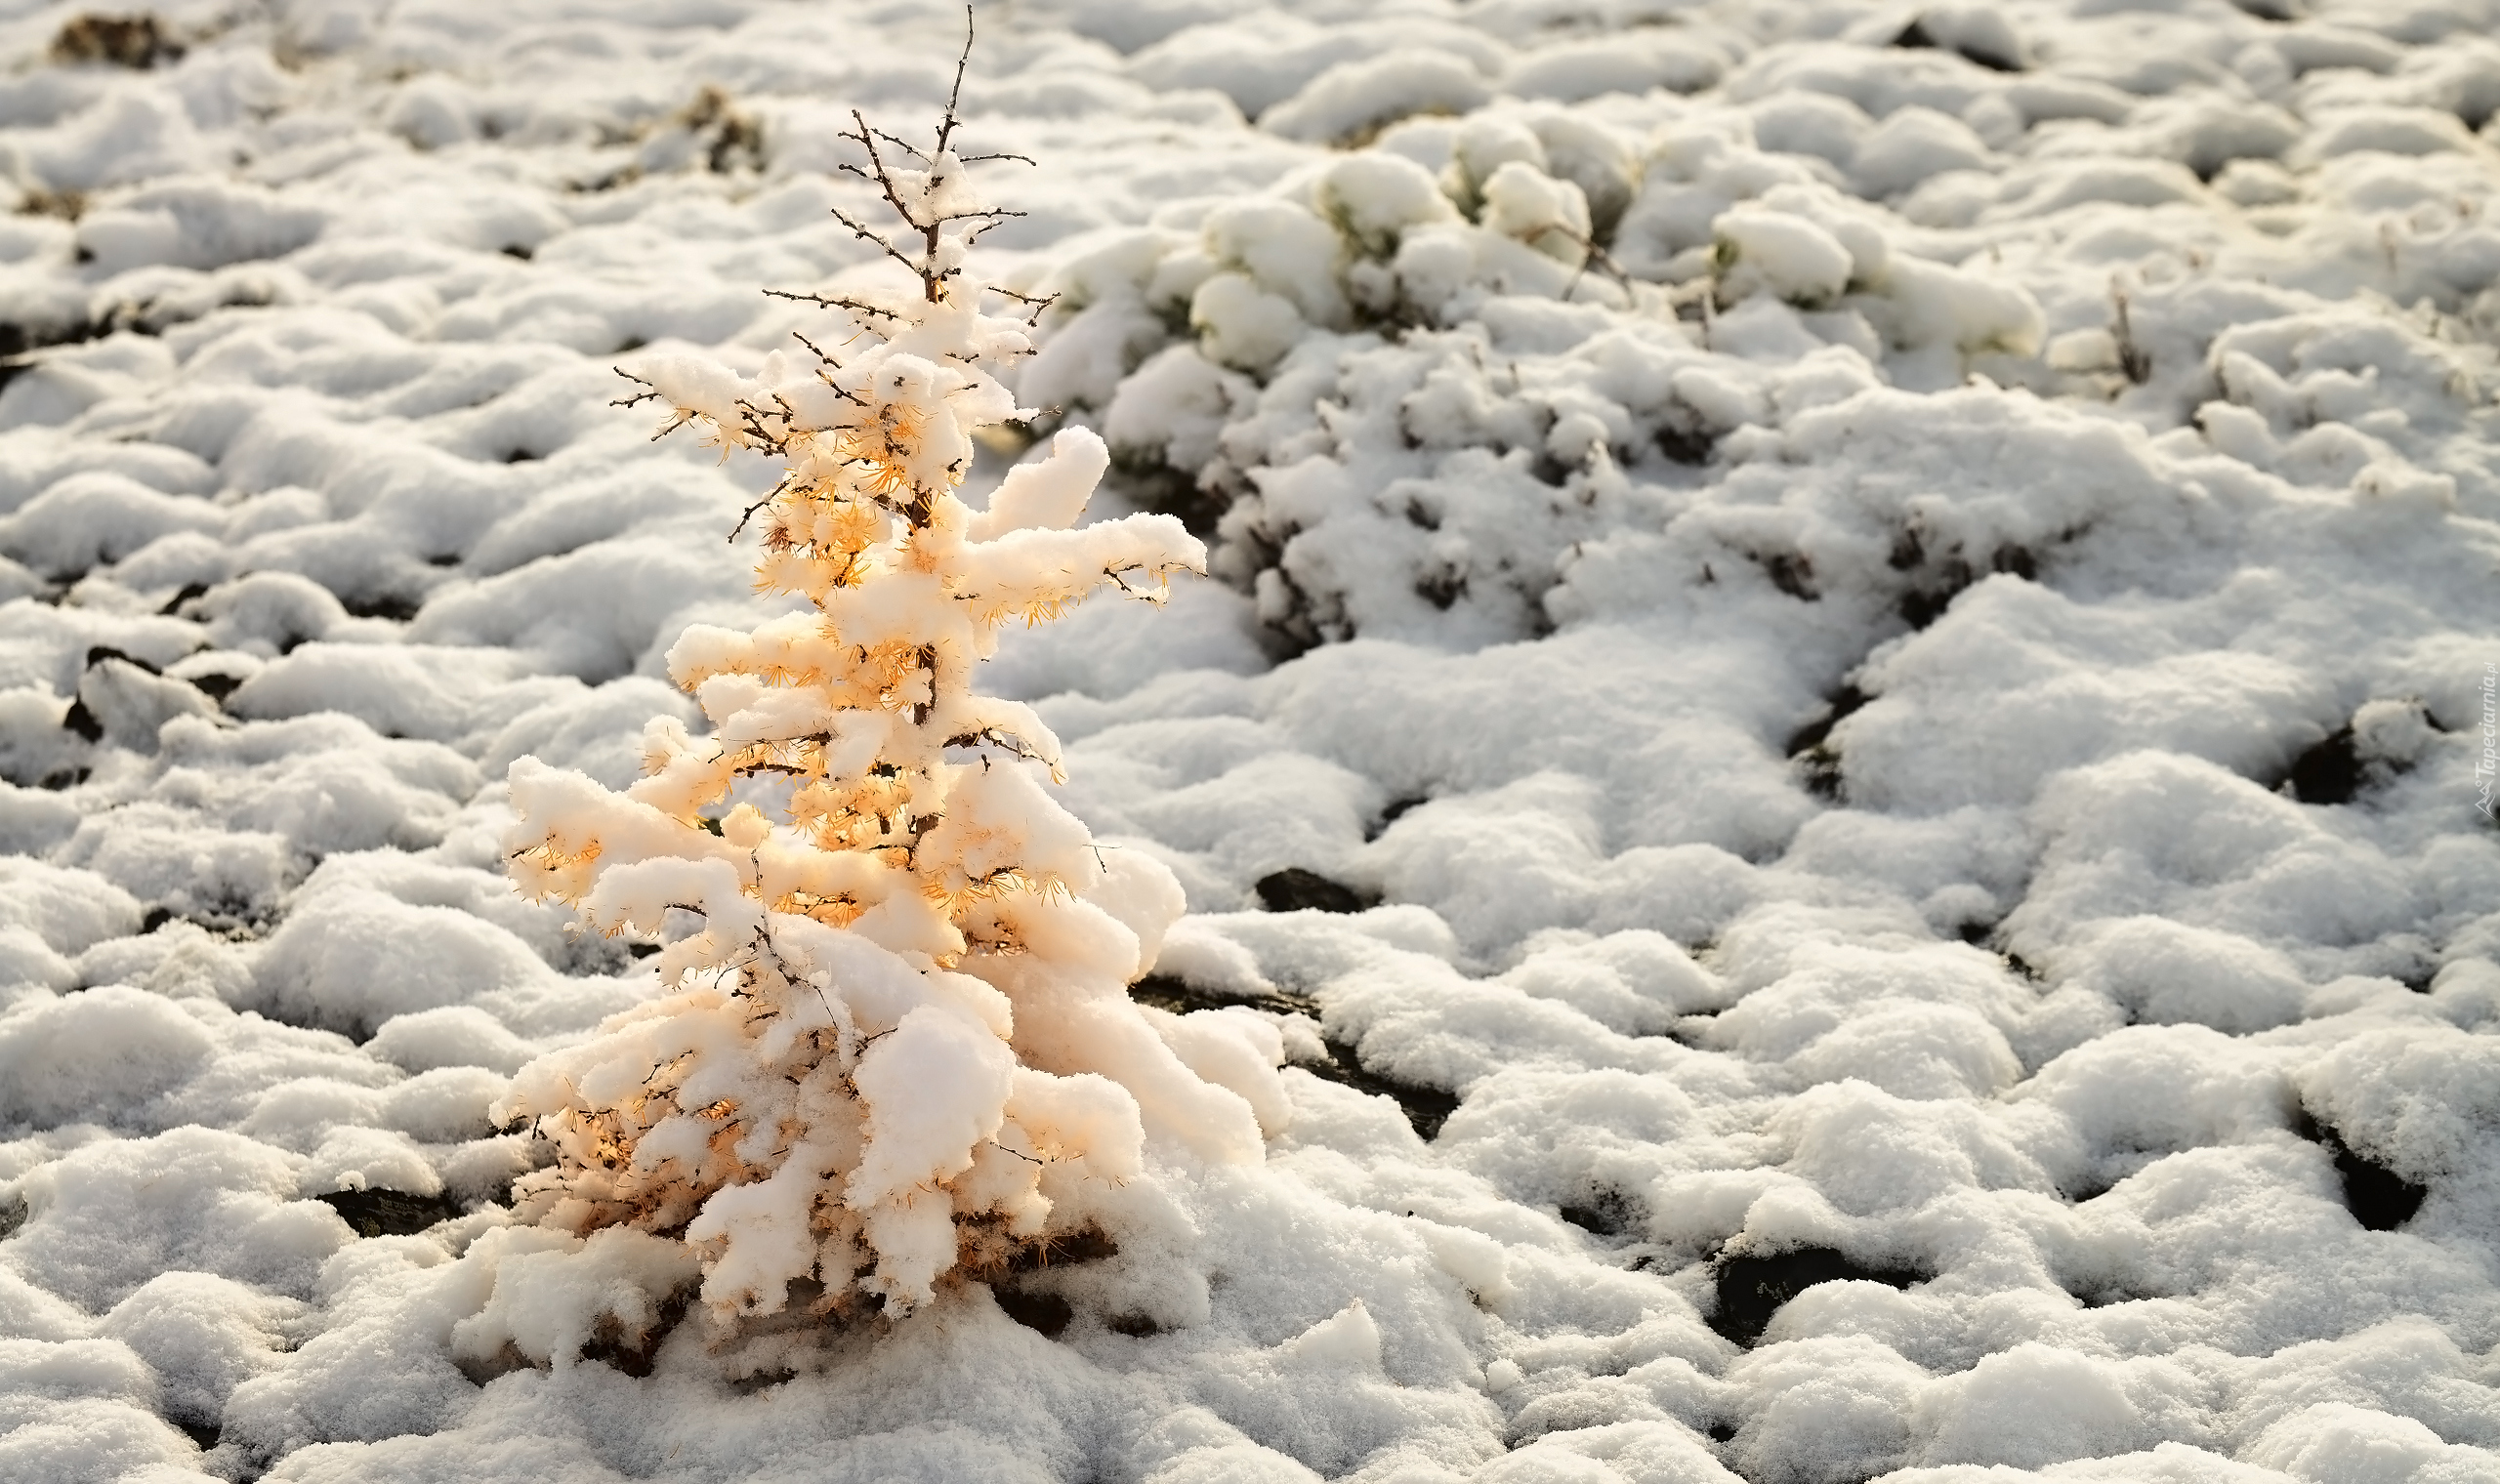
1844 724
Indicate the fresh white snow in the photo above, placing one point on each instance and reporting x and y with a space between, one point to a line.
1892 614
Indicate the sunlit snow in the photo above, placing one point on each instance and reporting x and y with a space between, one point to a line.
1844 722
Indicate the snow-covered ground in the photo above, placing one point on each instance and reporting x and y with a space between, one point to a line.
1919 724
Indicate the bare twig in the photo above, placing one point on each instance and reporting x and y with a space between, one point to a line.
777 491
835 301
864 234
906 146
1592 256
947 126
823 355
648 394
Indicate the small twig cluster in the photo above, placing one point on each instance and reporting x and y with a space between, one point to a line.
930 199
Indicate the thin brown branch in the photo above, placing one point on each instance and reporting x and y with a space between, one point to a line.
996 737
904 145
831 302
648 394
816 350
946 125
1592 256
867 141
777 491
864 234
751 420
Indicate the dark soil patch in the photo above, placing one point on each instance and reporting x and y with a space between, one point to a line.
1809 747
138 42
1045 1314
2328 773
1603 1213
1753 1288
1915 37
1426 1108
390 1213
1295 889
2379 1198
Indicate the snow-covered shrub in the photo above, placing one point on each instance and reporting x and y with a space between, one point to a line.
900 1041
1367 242
1412 384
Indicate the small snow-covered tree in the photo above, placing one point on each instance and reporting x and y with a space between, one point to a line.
901 1040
